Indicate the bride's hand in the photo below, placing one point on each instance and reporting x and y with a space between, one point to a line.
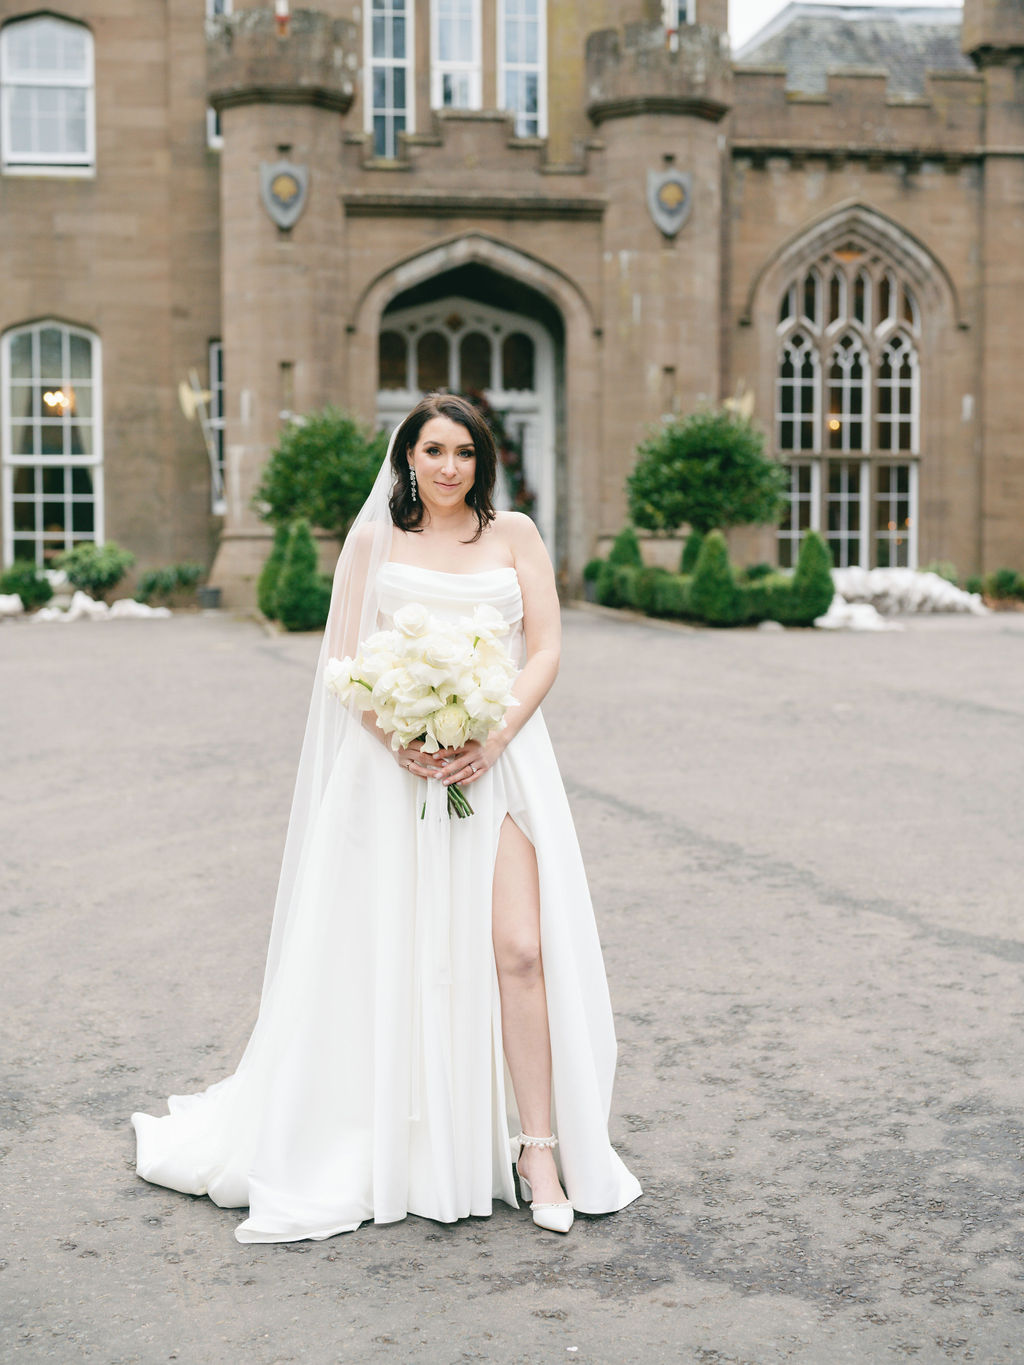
416 761
465 764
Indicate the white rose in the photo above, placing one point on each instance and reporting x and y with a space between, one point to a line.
412 620
449 725
487 621
443 650
494 685
338 677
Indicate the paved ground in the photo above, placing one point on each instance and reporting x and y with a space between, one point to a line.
805 856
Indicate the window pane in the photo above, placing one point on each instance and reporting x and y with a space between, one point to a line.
517 362
432 361
81 356
22 398
81 481
475 362
392 360
51 359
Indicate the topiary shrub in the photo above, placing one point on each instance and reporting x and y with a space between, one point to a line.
706 470
1004 583
96 569
811 589
31 586
713 596
645 587
615 585
591 569
753 572
626 549
303 594
672 596
323 469
974 584
691 552
266 586
175 581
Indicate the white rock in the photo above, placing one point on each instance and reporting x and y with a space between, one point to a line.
843 615
11 604
891 591
127 606
770 625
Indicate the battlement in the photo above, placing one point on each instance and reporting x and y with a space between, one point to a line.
440 172
634 71
855 117
993 30
248 63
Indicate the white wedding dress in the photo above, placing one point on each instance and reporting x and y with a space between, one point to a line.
374 1083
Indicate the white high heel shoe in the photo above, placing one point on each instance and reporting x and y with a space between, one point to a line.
554 1217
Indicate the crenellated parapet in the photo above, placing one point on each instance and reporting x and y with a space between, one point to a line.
470 162
635 71
247 62
993 31
855 119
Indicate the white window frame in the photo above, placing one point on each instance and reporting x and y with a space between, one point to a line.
895 386
214 136
540 68
47 163
847 385
10 461
674 14
807 347
794 533
216 9
218 502
370 62
472 68
861 494
893 534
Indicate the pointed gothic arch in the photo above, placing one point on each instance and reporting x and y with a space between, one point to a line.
576 490
864 228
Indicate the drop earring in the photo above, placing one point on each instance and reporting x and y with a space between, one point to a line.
412 483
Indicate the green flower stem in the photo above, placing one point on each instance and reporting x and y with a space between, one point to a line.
457 802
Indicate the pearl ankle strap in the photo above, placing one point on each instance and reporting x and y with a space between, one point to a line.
526 1141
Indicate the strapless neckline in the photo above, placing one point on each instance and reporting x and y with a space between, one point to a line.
448 573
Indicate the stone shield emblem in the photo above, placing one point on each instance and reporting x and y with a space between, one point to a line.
669 199
284 188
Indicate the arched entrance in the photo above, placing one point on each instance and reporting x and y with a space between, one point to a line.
479 269
467 346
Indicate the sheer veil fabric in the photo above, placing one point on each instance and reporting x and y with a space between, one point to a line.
373 1084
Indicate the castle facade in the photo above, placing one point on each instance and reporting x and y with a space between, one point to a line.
594 213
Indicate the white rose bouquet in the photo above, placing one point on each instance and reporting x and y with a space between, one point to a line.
442 682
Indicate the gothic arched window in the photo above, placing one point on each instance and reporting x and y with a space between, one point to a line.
847 407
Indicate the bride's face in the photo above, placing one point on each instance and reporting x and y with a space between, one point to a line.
444 459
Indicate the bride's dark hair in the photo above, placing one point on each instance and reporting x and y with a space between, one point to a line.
407 514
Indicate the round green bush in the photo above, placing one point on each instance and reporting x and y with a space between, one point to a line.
303 593
1004 583
626 549
707 470
174 580
96 569
591 569
270 574
30 585
975 583
322 469
714 597
646 587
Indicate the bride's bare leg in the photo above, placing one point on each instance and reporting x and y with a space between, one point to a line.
515 928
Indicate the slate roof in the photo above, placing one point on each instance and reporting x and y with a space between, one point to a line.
906 41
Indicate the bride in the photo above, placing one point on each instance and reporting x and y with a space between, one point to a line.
432 985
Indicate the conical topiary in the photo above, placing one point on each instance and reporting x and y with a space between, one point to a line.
626 549
691 552
303 594
270 574
713 595
812 589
